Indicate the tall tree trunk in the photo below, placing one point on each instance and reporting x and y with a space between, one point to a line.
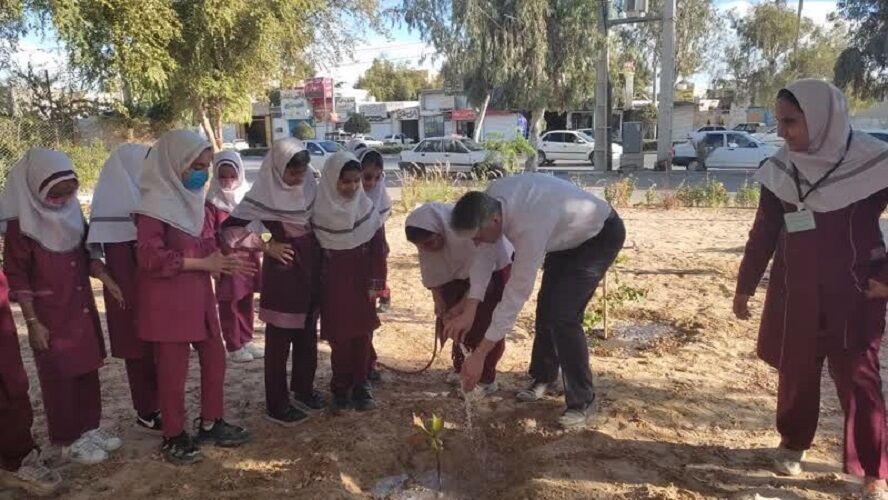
217 124
207 127
536 123
479 120
798 26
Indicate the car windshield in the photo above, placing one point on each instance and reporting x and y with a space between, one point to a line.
586 136
472 145
330 146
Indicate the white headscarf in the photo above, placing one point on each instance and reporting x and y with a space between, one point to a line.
164 197
339 223
452 262
116 196
864 163
379 194
227 199
270 198
55 229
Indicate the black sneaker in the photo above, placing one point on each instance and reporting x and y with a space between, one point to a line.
180 450
289 418
374 375
150 422
222 434
310 402
363 398
341 402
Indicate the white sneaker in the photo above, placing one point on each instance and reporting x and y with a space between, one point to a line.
256 351
452 378
35 476
241 355
84 451
104 440
489 389
788 462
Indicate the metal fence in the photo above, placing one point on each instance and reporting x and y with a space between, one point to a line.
18 135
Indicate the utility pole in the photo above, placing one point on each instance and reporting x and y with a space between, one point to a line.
602 120
667 88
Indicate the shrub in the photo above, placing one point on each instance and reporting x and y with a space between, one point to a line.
435 185
619 194
392 149
88 161
651 198
304 131
747 195
715 194
357 124
511 153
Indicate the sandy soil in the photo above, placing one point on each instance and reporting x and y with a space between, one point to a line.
688 414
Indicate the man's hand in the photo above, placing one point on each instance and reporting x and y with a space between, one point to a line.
876 290
472 367
457 326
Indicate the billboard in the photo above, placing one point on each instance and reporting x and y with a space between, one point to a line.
345 106
319 88
294 106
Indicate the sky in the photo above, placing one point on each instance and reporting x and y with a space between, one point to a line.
399 45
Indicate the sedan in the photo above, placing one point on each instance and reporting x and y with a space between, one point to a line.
454 154
320 151
726 149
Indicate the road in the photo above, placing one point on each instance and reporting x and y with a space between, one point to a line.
582 173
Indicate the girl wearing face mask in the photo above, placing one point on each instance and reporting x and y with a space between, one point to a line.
352 277
48 267
112 233
282 199
177 253
461 276
822 196
234 292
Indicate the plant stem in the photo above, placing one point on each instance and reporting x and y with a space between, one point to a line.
438 466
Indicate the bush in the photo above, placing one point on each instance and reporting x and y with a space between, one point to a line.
304 131
619 194
393 149
715 194
651 198
511 153
88 161
748 195
357 124
435 185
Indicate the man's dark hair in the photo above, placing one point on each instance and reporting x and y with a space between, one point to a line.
417 235
790 98
473 210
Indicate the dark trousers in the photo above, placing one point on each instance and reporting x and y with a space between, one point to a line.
278 341
570 278
859 387
16 417
142 376
349 359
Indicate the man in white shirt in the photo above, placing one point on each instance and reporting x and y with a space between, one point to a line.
575 236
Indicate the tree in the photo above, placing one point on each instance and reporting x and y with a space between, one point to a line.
863 67
304 131
357 124
12 26
387 81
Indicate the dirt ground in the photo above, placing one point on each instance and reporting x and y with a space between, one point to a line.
686 415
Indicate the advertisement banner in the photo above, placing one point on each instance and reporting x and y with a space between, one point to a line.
406 114
294 106
463 115
319 88
346 106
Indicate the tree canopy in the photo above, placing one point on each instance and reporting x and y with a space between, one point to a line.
387 81
863 66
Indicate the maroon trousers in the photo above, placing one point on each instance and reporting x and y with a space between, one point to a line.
305 362
72 405
142 376
859 387
236 318
172 372
16 418
349 359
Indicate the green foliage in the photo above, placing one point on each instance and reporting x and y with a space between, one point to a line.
619 194
304 131
357 124
88 161
594 314
387 81
747 195
651 198
709 194
435 185
432 429
511 153
863 67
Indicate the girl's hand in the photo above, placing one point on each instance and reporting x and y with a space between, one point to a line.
876 290
741 306
38 336
114 290
373 294
228 264
281 252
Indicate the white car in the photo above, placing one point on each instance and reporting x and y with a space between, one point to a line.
320 150
397 139
236 145
882 135
770 136
368 140
570 145
728 149
455 154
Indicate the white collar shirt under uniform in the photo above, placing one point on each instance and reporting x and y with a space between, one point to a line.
541 214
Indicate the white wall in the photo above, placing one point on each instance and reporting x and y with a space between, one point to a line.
504 125
380 129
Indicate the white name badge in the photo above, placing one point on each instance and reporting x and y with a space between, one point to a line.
799 221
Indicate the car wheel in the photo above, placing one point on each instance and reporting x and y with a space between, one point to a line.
592 159
541 159
696 166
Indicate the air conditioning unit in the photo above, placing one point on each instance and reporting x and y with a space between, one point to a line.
635 8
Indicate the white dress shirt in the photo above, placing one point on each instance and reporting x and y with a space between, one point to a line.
541 214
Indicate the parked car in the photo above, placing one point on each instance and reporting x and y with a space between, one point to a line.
770 136
320 151
727 149
236 145
570 145
397 139
749 127
882 135
368 140
456 154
